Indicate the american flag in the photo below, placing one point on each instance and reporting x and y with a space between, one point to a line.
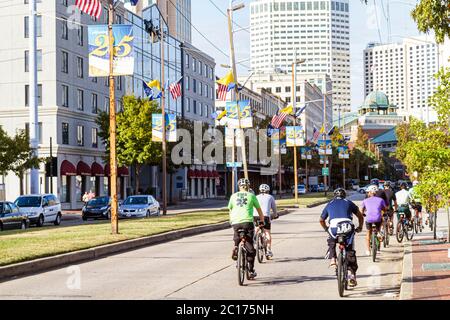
91 7
175 90
278 119
316 134
222 91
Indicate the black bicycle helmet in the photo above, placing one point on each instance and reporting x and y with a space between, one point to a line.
387 184
340 193
404 185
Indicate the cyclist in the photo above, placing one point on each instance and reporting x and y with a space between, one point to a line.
267 203
403 201
372 208
337 211
241 207
416 202
391 201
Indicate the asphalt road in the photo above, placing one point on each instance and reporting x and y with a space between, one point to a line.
200 267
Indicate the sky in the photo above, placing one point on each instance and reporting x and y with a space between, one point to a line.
212 26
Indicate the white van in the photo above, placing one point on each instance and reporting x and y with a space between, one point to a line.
40 209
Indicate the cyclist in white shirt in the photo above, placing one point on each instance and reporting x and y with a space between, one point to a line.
403 201
267 203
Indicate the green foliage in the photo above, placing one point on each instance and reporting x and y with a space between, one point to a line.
433 15
6 157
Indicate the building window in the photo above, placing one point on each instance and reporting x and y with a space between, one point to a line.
80 99
64 29
39 94
65 133
94 138
119 83
200 88
278 89
194 85
106 104
38 26
187 81
38 61
80 35
65 62
94 100
194 64
80 136
188 105
64 3
187 62
80 67
65 96
65 189
200 110
195 107
287 89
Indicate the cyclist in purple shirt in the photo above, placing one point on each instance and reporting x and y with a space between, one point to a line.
372 208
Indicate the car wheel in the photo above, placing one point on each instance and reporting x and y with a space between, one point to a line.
57 221
158 212
40 221
23 225
147 214
84 218
108 215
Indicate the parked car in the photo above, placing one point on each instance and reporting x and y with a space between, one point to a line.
301 189
321 187
40 209
11 217
314 188
139 207
97 208
363 190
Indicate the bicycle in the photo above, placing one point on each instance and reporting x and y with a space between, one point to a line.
345 235
417 221
386 230
375 244
242 263
404 228
261 244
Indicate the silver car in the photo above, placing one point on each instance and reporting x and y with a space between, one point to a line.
139 207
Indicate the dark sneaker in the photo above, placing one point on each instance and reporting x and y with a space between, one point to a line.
234 254
352 281
252 275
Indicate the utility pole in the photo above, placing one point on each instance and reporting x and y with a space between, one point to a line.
112 124
33 97
324 137
236 89
294 104
51 165
163 111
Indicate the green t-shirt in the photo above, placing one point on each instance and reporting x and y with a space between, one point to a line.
241 207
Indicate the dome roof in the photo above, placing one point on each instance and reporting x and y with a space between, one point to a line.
376 99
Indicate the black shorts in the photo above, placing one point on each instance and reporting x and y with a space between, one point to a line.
267 223
417 206
369 225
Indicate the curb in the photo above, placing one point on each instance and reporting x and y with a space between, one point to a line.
309 206
406 288
46 264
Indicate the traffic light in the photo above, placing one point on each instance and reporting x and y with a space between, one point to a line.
53 164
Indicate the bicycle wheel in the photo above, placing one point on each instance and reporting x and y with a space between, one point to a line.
260 248
341 274
241 264
386 233
387 236
409 229
416 225
399 232
374 246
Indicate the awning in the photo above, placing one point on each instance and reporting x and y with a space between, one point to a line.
204 174
216 174
198 173
68 169
123 172
191 174
97 170
107 170
83 169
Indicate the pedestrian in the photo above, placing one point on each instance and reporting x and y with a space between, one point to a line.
91 195
85 198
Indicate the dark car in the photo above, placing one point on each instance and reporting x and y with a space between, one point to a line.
11 217
314 188
97 208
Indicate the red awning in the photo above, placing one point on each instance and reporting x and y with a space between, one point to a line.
210 174
97 170
205 174
123 172
216 174
83 169
191 174
68 169
198 173
107 170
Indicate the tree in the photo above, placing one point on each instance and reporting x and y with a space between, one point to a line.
433 15
6 157
22 154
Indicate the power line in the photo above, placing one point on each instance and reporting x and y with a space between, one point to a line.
378 23
225 15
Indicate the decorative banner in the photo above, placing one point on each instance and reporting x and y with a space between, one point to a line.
283 141
276 141
295 136
306 153
343 152
322 160
99 50
325 147
171 128
246 114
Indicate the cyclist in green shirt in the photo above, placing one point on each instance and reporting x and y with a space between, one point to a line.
241 207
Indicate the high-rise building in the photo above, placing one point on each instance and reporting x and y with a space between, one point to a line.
405 72
318 30
177 14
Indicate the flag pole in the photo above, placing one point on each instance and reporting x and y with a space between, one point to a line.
112 124
163 111
294 104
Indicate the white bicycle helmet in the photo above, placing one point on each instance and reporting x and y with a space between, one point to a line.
244 183
264 188
372 188
415 183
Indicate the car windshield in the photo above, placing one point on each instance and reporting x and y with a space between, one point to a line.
136 200
28 202
99 202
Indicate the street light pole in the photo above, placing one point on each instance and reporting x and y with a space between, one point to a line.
163 111
324 138
294 104
236 89
33 97
112 124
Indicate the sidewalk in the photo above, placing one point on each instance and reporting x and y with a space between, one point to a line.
428 261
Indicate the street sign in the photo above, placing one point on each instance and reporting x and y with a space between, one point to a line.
325 171
234 164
